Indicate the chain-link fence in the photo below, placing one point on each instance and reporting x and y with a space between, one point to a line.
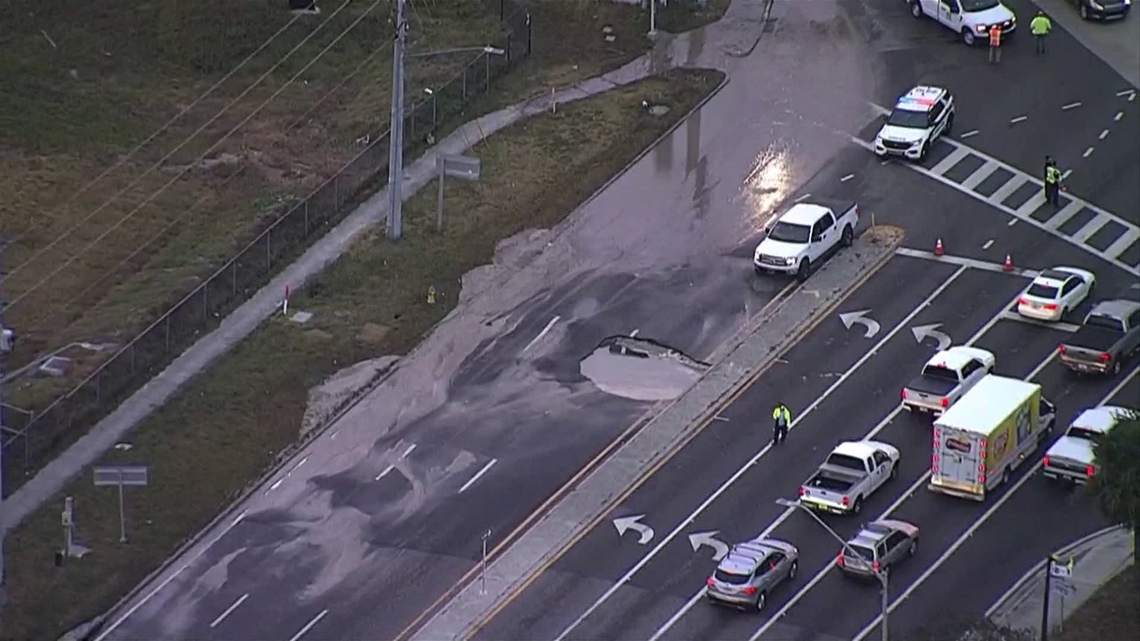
30 439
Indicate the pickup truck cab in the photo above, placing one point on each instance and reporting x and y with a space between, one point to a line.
971 19
852 472
946 377
1071 458
804 236
920 117
1109 335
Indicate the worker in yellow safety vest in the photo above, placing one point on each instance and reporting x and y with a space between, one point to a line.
1040 27
1052 183
782 418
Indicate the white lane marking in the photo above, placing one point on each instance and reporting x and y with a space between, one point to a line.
1069 172
165 582
1088 152
1012 222
989 243
411 448
846 178
544 332
974 528
229 610
298 465
1125 92
787 513
1014 121
1132 96
1118 116
1091 227
755 459
968 134
1059 326
1072 208
1120 244
332 435
718 417
966 262
1103 134
947 163
309 626
980 174
634 333
1071 105
802 198
1007 189
478 475
276 484
894 506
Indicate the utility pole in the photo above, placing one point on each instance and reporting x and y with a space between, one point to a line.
395 226
7 343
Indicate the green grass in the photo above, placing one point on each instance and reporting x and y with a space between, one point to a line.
1113 612
228 426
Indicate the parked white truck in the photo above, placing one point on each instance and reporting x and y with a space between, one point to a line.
985 435
946 377
1071 458
804 236
970 19
852 472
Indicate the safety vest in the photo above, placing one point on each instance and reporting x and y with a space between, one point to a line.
782 412
1052 175
1040 26
995 36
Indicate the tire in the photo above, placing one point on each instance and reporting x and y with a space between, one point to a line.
848 237
761 599
949 125
1116 368
1064 313
913 547
916 10
858 507
804 272
1005 477
925 150
1084 11
968 38
894 471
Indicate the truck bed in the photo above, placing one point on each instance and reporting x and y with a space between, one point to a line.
931 386
1094 339
833 479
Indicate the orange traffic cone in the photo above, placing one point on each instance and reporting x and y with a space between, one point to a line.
938 251
1008 265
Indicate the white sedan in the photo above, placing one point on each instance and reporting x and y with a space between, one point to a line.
1056 292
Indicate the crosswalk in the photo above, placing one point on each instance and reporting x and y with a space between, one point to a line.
1003 186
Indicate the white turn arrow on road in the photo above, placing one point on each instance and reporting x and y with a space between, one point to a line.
923 332
860 317
709 539
631 523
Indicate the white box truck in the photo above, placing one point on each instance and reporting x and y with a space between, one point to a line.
983 437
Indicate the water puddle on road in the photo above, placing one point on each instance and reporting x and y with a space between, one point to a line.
640 369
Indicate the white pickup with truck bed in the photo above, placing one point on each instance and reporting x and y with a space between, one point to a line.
852 472
803 237
946 377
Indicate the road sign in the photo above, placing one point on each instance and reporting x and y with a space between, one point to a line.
122 476
464 168
1063 587
1061 569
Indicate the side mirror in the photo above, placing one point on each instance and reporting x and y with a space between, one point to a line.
815 238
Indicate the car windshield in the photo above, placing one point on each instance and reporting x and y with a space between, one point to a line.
1084 434
978 5
908 119
731 578
846 461
859 551
790 233
1038 290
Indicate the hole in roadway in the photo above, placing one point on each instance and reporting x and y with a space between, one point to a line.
641 369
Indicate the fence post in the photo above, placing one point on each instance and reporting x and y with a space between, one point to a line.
268 249
502 10
465 82
486 72
233 276
528 30
336 191
306 234
508 48
167 324
134 359
206 300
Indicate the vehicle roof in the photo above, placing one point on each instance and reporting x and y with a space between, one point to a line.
1100 419
804 214
1117 307
954 358
1055 274
987 403
920 98
745 557
858 449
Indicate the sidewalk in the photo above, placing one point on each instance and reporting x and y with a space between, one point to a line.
1096 559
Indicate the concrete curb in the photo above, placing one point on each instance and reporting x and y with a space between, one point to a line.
746 51
740 377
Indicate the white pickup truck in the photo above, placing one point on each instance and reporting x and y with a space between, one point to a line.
851 473
1071 458
804 236
946 377
971 19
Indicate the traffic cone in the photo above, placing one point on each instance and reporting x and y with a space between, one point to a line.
1008 265
938 251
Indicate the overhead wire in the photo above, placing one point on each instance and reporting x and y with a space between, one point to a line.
212 148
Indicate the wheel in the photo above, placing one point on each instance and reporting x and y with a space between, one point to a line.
858 507
1064 313
913 548
804 271
1116 367
925 150
793 570
968 37
760 600
848 237
916 9
1084 12
950 124
1005 477
895 471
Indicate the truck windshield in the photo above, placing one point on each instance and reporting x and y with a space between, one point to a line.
908 119
846 461
1082 433
969 6
790 233
940 373
1106 322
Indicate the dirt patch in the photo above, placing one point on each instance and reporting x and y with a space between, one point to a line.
1110 613
226 427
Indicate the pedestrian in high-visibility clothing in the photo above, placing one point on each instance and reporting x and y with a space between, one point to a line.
995 44
1040 27
782 418
1052 182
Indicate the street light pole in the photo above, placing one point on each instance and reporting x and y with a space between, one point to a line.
7 340
881 575
395 225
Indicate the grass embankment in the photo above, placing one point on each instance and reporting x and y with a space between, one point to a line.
1112 613
225 428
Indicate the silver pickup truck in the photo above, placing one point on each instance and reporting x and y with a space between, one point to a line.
946 377
851 473
1107 338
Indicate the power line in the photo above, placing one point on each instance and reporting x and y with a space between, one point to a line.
183 172
162 160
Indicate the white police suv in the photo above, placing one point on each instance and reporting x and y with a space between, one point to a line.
919 118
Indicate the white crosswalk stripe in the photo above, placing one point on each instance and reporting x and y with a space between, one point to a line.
1079 222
